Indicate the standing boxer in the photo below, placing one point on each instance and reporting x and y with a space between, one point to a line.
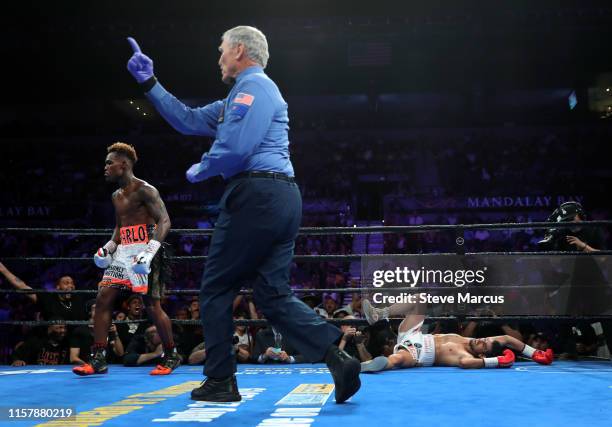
132 258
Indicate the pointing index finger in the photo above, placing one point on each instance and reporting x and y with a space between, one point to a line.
134 45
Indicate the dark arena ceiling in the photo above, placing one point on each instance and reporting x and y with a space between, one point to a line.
67 51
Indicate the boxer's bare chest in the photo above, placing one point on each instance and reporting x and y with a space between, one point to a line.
129 208
449 353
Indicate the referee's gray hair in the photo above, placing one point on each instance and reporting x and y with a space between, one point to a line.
254 42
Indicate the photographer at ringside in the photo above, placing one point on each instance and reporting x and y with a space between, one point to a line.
585 270
584 239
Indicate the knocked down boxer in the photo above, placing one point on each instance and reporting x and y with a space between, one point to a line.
414 349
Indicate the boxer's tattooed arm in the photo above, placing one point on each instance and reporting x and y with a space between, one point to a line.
157 209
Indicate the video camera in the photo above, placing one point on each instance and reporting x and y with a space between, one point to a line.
566 212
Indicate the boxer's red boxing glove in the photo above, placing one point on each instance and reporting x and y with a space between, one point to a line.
504 361
543 357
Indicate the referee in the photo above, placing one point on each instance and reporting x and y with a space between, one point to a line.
260 212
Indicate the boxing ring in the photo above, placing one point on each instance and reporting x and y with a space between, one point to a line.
564 393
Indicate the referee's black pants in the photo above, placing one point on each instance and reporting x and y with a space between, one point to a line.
253 241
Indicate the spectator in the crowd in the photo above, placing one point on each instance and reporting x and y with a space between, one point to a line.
189 336
311 301
483 329
186 336
330 304
353 341
134 315
49 350
583 239
341 313
245 305
587 342
182 313
586 271
243 345
198 355
578 340
243 342
271 347
354 308
66 306
194 309
81 340
144 349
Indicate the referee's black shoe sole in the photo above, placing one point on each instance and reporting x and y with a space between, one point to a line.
345 372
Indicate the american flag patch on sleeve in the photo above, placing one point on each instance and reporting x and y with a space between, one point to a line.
244 98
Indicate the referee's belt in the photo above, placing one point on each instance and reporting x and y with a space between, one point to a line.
263 174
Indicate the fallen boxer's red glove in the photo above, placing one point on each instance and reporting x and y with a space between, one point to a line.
504 361
543 357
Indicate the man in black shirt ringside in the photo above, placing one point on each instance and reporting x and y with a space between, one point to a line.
66 306
49 350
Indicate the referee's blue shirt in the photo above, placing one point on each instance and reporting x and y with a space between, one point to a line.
250 127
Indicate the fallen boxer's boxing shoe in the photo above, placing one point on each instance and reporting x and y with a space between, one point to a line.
345 372
373 314
375 365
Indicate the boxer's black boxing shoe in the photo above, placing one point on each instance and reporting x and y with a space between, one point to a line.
170 362
97 365
345 372
217 390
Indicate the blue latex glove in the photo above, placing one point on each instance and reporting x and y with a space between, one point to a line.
193 172
140 65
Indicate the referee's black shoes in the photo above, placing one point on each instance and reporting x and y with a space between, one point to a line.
345 371
217 390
